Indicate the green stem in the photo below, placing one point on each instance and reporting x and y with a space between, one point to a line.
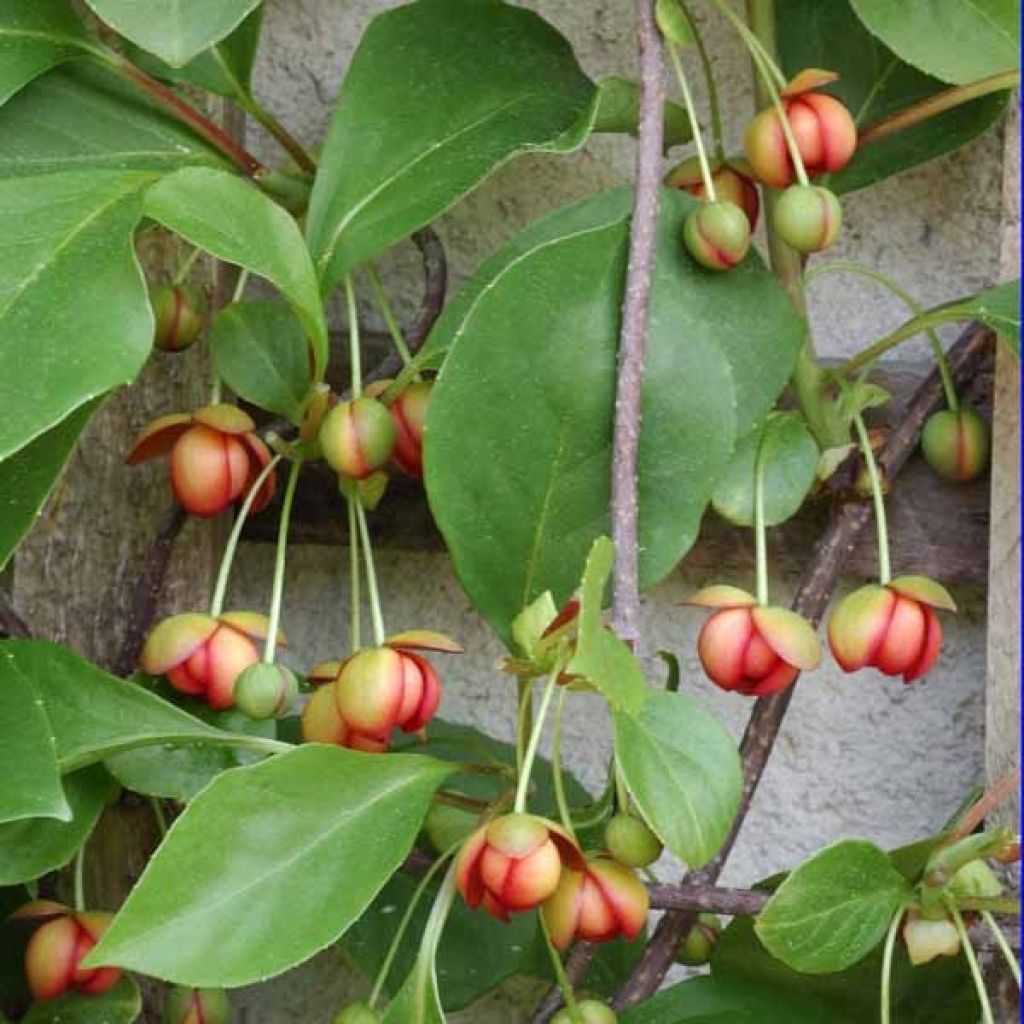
556 767
389 317
228 558
760 533
884 569
355 353
281 135
277 593
80 879
564 984
531 749
243 280
1004 946
851 267
355 599
158 815
711 85
972 963
890 945
379 632
186 267
753 42
621 790
691 113
524 721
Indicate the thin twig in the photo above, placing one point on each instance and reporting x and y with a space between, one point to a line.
708 898
815 591
576 965
990 800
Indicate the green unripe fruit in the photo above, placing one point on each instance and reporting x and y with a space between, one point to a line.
178 312
976 880
592 1011
808 217
265 691
357 1013
444 826
717 234
956 444
357 437
631 842
197 1006
696 949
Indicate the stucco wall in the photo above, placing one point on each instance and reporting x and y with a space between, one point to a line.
857 756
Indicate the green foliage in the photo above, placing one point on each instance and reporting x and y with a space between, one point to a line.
618 107
120 1005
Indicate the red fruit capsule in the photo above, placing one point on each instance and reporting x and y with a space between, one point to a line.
409 413
197 1006
178 311
357 437
893 628
730 181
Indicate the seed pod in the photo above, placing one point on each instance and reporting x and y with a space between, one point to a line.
956 444
178 312
808 217
696 949
265 691
59 944
409 412
717 235
357 1013
631 842
197 1006
357 437
591 1011
729 179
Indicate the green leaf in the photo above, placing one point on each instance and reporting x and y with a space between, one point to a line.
27 477
833 909
271 863
93 715
874 83
259 350
682 769
601 657
673 23
80 117
618 109
68 277
28 755
235 222
36 35
418 1000
175 30
35 846
518 441
120 1005
958 41
478 81
789 456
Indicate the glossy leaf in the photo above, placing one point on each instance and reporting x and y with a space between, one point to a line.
518 440
682 770
874 83
271 863
28 755
958 41
36 35
120 1005
28 476
175 30
618 109
81 117
833 909
789 457
35 846
478 81
68 277
232 220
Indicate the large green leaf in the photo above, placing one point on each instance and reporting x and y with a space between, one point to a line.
874 83
235 222
36 35
175 30
30 848
618 112
958 41
27 477
518 441
80 117
682 769
73 310
120 1005
476 82
833 909
271 863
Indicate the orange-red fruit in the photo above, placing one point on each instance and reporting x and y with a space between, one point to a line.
357 437
956 444
729 180
409 413
599 903
893 628
717 235
57 947
321 723
514 863
752 649
203 656
178 311
215 457
825 135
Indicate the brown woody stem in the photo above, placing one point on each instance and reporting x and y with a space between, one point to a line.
990 800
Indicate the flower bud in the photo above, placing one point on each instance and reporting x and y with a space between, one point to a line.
730 181
178 310
357 1013
409 412
752 649
956 444
808 217
215 457
265 691
631 842
197 1006
599 903
717 235
514 863
926 939
357 437
591 1011
321 723
892 628
696 949
824 132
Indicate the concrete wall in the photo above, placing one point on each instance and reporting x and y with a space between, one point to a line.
858 756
